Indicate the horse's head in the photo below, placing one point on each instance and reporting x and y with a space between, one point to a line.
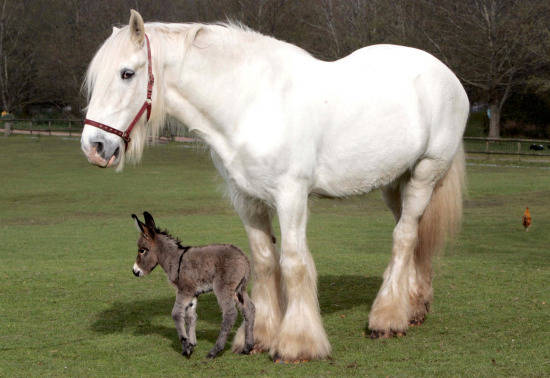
147 258
119 90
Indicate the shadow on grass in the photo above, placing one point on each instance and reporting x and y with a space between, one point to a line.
336 293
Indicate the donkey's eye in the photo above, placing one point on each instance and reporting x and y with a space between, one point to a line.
142 250
126 74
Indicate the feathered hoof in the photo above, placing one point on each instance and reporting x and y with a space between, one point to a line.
278 360
257 349
386 334
417 321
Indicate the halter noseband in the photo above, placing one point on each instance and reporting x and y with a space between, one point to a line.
125 135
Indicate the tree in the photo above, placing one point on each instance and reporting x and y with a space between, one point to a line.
494 46
17 60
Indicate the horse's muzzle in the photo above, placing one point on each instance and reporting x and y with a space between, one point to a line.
104 154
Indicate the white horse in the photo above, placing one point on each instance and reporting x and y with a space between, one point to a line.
282 125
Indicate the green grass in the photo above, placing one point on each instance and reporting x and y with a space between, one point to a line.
69 304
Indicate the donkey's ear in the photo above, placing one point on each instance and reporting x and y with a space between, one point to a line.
137 28
115 30
139 225
149 221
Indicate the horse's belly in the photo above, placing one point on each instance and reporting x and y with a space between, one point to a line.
356 168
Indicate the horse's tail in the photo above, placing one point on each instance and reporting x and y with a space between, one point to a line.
442 218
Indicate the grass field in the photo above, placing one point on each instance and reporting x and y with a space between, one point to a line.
69 304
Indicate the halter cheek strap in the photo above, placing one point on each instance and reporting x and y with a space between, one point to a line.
125 135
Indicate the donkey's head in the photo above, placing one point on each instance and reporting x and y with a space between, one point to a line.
119 89
148 246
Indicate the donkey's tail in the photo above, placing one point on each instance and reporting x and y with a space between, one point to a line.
241 288
442 218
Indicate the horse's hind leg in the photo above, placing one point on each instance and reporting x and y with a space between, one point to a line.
266 286
392 309
248 311
420 288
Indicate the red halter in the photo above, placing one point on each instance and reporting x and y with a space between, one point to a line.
125 135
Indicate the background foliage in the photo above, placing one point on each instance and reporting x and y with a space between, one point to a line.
497 47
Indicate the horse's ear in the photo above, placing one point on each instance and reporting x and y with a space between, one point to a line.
139 225
149 221
115 30
137 28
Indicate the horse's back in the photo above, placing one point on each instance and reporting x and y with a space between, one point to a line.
384 108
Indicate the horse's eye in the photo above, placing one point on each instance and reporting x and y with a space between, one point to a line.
126 74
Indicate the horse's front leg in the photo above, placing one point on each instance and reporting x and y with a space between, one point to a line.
266 288
301 335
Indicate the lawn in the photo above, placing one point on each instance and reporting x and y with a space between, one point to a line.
69 304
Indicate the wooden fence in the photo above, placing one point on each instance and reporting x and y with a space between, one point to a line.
507 146
503 146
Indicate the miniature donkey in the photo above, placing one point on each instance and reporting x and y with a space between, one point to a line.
221 268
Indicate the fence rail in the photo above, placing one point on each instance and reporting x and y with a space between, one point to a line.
502 146
507 146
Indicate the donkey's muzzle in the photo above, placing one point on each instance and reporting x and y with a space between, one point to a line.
136 273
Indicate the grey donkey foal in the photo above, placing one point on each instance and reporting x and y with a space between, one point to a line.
222 268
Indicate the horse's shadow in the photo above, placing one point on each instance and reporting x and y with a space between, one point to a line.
336 293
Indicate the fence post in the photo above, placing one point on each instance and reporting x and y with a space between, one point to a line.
519 147
7 128
486 146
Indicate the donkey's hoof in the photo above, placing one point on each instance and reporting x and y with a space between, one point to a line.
187 349
213 353
386 334
248 349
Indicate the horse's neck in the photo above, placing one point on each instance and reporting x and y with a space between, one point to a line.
220 76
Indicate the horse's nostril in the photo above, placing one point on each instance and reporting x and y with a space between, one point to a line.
116 152
98 147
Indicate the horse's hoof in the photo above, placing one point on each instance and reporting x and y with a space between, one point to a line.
417 321
257 350
279 360
386 334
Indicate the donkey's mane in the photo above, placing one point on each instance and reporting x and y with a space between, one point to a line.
175 239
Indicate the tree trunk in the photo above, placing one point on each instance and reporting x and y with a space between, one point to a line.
494 121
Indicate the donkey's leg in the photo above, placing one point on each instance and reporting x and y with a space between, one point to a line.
392 308
226 301
191 321
248 311
301 336
178 314
266 290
